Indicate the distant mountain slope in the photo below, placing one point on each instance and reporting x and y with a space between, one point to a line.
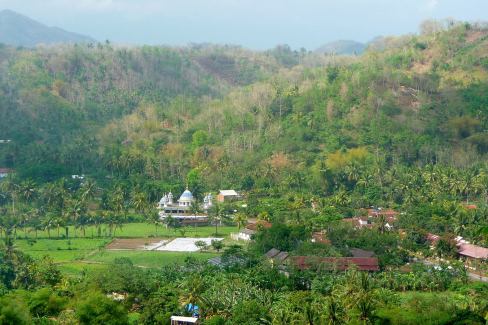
19 30
342 47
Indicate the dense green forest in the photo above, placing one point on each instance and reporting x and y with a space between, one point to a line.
309 139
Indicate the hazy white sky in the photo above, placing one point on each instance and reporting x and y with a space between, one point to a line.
255 24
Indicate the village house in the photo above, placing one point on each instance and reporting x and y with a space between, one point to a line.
359 222
432 239
376 212
251 229
472 255
320 237
357 252
4 172
276 257
372 217
369 264
227 195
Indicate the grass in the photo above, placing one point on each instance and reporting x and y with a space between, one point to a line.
131 230
61 250
75 255
76 268
149 259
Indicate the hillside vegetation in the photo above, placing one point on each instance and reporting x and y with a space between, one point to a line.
400 126
99 132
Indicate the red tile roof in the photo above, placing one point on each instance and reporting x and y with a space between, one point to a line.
335 263
470 206
473 251
433 238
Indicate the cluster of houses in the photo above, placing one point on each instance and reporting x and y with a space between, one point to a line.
361 260
372 217
471 254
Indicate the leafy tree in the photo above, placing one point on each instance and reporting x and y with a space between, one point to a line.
201 244
96 308
45 302
160 306
13 310
217 245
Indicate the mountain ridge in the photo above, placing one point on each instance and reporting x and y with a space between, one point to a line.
19 30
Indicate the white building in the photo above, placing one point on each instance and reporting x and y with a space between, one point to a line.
181 210
227 195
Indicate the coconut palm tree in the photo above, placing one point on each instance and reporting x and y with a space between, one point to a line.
27 190
215 216
139 202
335 313
47 223
195 210
240 219
192 289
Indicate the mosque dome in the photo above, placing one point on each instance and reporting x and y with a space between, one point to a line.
186 196
164 200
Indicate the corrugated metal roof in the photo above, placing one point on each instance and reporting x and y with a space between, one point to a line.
272 253
281 256
192 320
473 251
228 193
357 252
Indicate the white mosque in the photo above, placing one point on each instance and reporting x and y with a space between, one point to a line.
181 210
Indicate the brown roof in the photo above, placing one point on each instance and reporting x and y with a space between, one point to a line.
281 256
377 212
357 252
470 206
336 263
272 253
470 250
258 225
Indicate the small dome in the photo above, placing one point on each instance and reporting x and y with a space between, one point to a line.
164 200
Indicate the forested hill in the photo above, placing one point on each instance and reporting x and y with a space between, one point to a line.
226 117
54 100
